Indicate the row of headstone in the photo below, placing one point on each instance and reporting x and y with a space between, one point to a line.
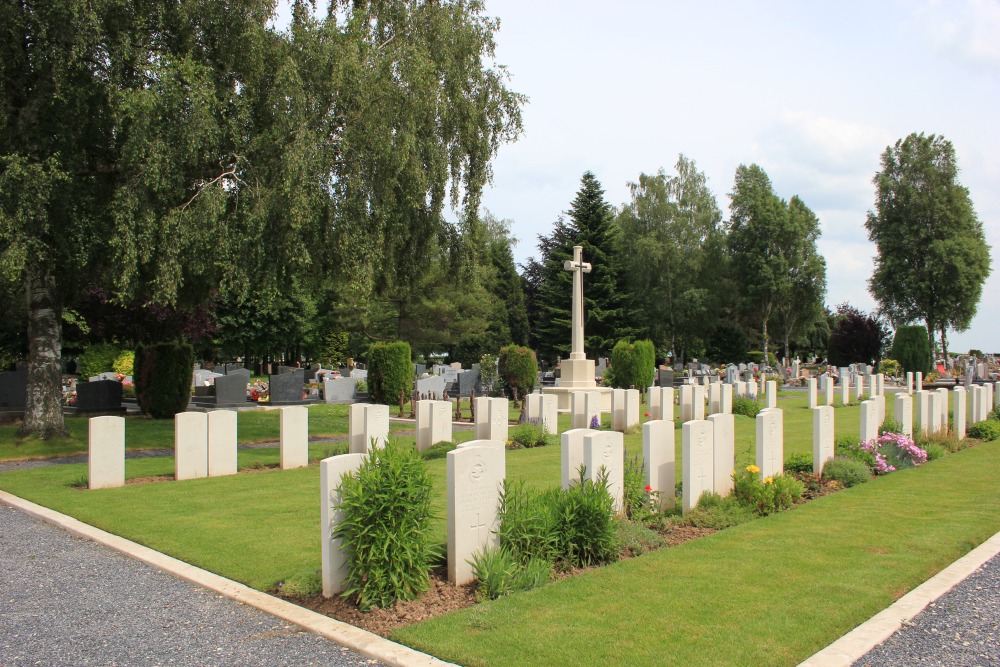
492 420
661 403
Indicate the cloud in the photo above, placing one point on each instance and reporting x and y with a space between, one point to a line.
966 33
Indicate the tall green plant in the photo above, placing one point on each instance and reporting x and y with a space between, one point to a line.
162 374
518 368
911 349
386 529
390 372
97 359
632 364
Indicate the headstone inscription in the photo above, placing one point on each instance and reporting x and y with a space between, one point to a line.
475 476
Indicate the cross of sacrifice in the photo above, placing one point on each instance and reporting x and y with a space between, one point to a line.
578 267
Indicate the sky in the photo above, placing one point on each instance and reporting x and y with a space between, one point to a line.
811 92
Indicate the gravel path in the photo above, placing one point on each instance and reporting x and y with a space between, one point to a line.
959 629
68 601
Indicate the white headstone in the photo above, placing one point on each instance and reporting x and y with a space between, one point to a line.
334 561
655 396
699 402
845 392
859 387
724 452
475 477
921 411
904 412
368 423
714 399
686 398
942 418
880 384
918 381
811 385
909 382
770 442
632 402
605 450
618 409
294 445
740 388
543 409
666 404
727 399
697 461
433 423
492 422
934 410
996 394
869 421
823 437
827 392
106 452
221 443
772 394
658 456
571 443
958 411
190 445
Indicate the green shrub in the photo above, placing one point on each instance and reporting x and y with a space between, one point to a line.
626 366
585 531
518 369
911 348
499 573
647 363
636 539
308 582
162 376
890 426
745 406
849 447
890 368
755 356
488 374
935 451
715 512
995 413
527 435
97 359
767 496
386 529
848 471
527 524
801 462
438 450
125 362
390 372
639 504
987 430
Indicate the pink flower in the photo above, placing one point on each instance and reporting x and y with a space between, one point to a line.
647 414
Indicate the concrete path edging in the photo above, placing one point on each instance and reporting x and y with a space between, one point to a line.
859 641
362 641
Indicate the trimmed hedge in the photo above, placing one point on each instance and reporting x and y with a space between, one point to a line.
911 349
647 368
632 364
518 368
390 372
162 375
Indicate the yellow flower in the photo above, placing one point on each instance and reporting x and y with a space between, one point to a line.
753 469
768 480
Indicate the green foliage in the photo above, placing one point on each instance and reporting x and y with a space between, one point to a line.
856 336
626 366
499 573
717 513
639 505
756 356
934 450
890 367
438 450
995 413
767 496
390 372
743 405
636 538
800 462
647 364
911 349
846 470
97 359
987 430
518 368
305 583
125 362
489 374
528 435
849 447
890 426
333 348
386 529
527 523
162 377
728 343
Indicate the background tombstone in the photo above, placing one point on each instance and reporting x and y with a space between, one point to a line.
740 388
470 382
585 406
492 422
811 387
724 452
231 389
99 396
823 437
696 461
190 445
958 411
772 394
686 393
632 401
606 450
475 476
904 412
339 390
286 388
432 387
14 388
294 443
368 422
699 402
845 392
222 443
869 421
658 457
727 399
105 452
714 399
334 561
770 443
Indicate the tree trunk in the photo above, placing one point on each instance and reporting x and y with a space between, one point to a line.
43 403
944 345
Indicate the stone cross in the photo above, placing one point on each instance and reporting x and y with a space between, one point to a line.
578 267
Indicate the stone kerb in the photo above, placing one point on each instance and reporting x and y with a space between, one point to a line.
823 437
658 457
958 411
368 423
222 442
869 421
334 561
904 412
605 450
475 476
190 445
106 452
770 442
811 383
571 454
724 452
697 444
294 442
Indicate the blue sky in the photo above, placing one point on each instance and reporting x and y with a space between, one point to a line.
812 92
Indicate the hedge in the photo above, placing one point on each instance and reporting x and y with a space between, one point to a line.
390 372
162 375
911 349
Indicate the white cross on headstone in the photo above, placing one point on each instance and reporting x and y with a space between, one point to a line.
478 527
578 267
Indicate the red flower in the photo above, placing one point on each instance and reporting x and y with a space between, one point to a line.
647 414
649 489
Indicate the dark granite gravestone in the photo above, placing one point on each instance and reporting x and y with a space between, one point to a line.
99 396
231 389
469 381
286 388
419 369
287 369
13 388
242 372
666 378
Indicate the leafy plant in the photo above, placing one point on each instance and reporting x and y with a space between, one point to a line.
890 367
585 532
801 462
935 451
386 527
438 450
890 426
124 363
499 572
97 359
726 514
911 349
636 538
527 523
893 451
309 582
767 496
848 471
745 406
518 368
640 502
987 430
489 374
527 435
390 372
162 375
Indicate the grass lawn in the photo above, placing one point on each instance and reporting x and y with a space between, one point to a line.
769 592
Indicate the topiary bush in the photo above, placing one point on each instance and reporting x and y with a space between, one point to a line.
626 366
647 363
97 359
848 471
162 375
518 369
386 529
390 372
910 347
890 367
